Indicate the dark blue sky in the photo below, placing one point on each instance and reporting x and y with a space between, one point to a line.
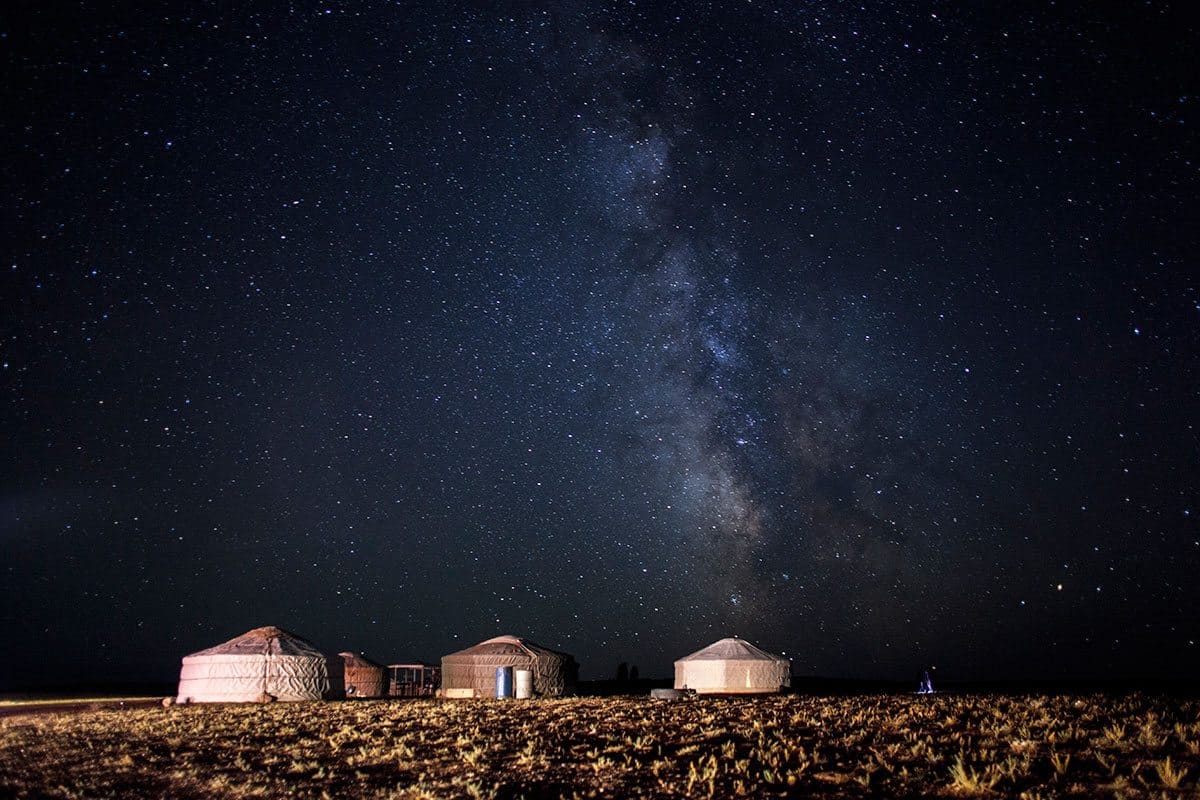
867 334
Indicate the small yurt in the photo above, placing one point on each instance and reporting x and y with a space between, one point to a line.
733 666
472 672
363 677
261 665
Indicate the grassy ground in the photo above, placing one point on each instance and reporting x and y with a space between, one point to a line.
70 701
794 746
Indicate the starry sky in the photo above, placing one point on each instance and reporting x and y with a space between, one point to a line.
868 333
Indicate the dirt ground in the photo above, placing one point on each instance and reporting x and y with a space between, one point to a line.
19 708
1031 746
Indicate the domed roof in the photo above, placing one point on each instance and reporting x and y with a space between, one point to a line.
508 645
264 641
359 661
732 649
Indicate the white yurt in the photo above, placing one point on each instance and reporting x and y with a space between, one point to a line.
733 666
261 665
472 672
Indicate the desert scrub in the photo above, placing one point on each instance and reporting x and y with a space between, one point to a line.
776 746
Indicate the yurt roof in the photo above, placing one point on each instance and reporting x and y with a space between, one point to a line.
732 649
267 640
508 645
355 660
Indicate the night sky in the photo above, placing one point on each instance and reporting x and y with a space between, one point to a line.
871 335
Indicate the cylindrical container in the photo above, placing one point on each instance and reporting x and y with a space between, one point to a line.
504 681
524 683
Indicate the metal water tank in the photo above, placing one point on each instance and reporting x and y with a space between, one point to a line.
504 681
524 683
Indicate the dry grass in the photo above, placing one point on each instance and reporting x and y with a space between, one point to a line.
71 701
796 746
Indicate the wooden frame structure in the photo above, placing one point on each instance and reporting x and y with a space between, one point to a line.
413 680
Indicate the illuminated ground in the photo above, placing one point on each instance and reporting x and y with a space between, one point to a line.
796 746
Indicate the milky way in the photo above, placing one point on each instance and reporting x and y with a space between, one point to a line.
867 334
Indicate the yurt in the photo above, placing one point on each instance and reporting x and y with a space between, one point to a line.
363 677
261 665
733 666
472 672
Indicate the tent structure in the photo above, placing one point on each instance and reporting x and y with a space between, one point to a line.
260 665
363 677
733 666
472 672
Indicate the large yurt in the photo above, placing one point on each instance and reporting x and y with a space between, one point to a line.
363 677
733 666
261 665
472 672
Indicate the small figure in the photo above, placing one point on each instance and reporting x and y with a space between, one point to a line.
926 685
